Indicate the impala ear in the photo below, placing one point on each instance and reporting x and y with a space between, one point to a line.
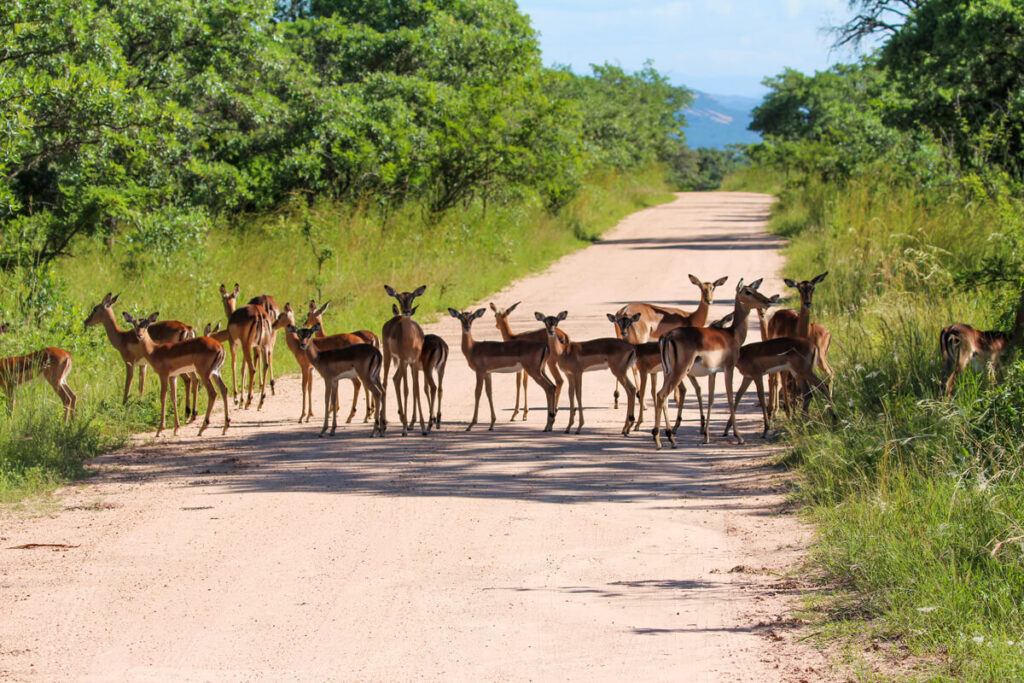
287 307
387 288
152 317
320 311
789 282
756 283
819 278
236 289
721 281
694 280
512 307
293 329
539 316
739 285
223 289
451 311
611 319
493 307
106 299
563 315
114 299
128 318
316 328
775 298
419 290
413 312
394 309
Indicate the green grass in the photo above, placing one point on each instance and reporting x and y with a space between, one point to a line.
462 257
919 502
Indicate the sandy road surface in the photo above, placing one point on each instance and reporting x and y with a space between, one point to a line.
272 555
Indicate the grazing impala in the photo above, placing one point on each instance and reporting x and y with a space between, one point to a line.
315 316
488 357
656 321
540 336
648 363
575 358
201 355
355 360
789 323
717 350
131 353
402 340
960 343
52 363
248 327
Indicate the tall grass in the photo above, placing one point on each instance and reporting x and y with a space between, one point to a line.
919 502
326 251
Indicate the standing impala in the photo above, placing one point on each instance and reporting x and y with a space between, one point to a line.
201 355
355 360
402 340
52 363
540 336
656 321
248 327
269 306
789 323
575 358
314 317
717 350
488 357
131 353
433 360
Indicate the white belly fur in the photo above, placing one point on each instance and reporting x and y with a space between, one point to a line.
511 368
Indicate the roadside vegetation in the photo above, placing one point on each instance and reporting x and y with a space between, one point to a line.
305 150
901 175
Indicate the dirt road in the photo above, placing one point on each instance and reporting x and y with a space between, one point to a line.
270 554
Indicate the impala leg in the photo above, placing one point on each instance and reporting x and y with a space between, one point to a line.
224 394
490 401
578 384
399 374
631 395
174 403
163 404
759 384
556 376
305 379
211 399
680 402
526 405
356 386
440 393
744 383
732 404
476 405
572 402
327 405
515 409
386 358
142 379
265 356
334 405
671 380
416 405
549 393
642 391
773 393
129 370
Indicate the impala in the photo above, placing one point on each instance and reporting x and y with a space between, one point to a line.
960 343
402 340
717 350
201 355
656 321
52 363
248 327
355 360
792 355
215 333
433 360
539 336
487 357
269 306
575 358
131 353
648 363
315 316
789 323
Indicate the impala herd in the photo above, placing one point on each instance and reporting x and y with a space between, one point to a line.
649 340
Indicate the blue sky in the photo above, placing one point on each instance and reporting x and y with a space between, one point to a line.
718 46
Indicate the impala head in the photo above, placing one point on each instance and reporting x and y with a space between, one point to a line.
466 317
100 309
141 325
315 314
707 289
502 313
229 297
304 334
724 322
749 298
210 328
551 321
806 288
285 318
623 321
405 299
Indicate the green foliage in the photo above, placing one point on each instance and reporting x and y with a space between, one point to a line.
703 169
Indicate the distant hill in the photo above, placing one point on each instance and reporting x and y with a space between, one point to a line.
720 120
